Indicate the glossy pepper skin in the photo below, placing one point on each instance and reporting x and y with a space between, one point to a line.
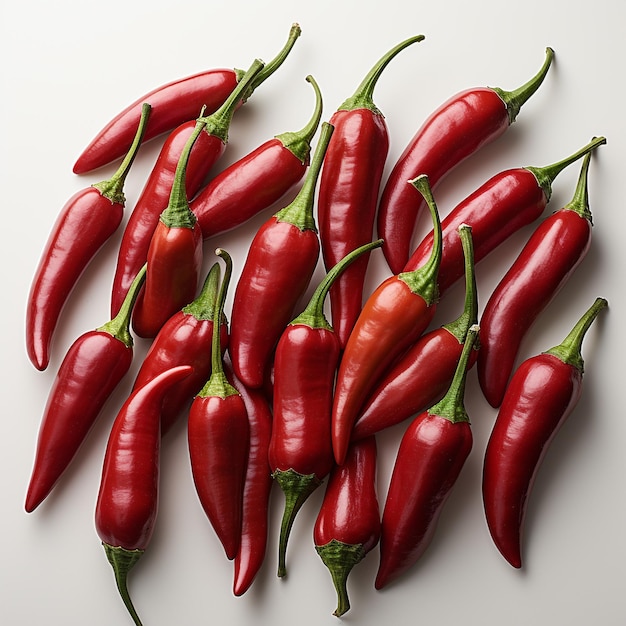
421 376
92 368
348 523
543 392
174 103
452 133
127 504
85 223
348 190
277 271
430 457
549 258
393 318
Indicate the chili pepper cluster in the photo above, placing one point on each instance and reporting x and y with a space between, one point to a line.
281 394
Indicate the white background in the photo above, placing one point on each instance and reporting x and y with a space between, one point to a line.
69 66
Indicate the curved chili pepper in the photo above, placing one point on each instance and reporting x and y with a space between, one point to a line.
421 376
92 368
543 392
307 355
127 503
431 455
349 188
453 132
85 223
258 180
218 438
277 271
500 207
348 524
174 103
549 258
393 318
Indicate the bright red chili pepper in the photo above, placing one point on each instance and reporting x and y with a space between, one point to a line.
549 258
218 438
174 103
542 393
277 271
307 355
127 503
393 318
348 190
348 524
431 455
258 180
421 376
85 223
453 132
92 368
497 209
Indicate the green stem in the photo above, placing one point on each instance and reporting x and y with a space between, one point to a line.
122 561
580 200
203 307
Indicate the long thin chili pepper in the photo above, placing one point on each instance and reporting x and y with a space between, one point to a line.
127 503
174 103
453 132
218 437
92 368
393 318
549 258
277 271
348 524
84 225
349 188
307 355
543 392
422 375
430 458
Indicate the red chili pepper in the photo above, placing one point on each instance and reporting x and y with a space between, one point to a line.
422 375
542 393
219 437
92 368
85 223
307 355
393 318
258 180
549 258
348 524
430 458
349 188
453 132
174 103
497 209
127 503
280 262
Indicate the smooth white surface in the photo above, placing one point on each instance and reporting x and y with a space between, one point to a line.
69 66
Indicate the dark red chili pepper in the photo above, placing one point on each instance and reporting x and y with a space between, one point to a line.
92 368
430 458
497 209
85 223
277 271
127 503
307 355
174 103
453 132
393 318
421 376
543 392
349 188
549 258
258 180
218 437
348 524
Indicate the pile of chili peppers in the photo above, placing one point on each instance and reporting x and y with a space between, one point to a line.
282 394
